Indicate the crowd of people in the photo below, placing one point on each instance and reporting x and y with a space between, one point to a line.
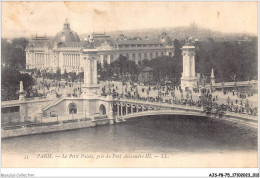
211 102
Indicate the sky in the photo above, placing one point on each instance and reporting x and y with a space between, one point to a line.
28 18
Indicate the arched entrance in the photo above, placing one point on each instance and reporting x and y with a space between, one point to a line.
72 108
102 110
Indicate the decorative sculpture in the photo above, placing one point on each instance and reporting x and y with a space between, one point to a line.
188 39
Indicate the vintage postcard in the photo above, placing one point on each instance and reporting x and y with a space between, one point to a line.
129 84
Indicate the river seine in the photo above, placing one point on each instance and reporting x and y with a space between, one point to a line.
163 134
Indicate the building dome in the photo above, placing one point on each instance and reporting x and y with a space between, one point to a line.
66 35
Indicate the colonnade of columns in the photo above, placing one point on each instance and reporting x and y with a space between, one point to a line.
71 60
134 56
123 108
39 59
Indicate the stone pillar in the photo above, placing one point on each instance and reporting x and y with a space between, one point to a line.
121 110
39 113
126 111
108 59
90 87
117 109
212 78
131 109
23 105
193 66
78 61
72 60
69 60
65 60
102 60
95 72
75 60
188 79
21 92
87 73
142 56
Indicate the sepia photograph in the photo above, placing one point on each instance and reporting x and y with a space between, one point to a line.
129 84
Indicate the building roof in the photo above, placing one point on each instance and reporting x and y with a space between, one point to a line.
66 35
136 42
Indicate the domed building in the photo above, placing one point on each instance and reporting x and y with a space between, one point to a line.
66 35
64 51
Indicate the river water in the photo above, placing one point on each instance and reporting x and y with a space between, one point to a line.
163 134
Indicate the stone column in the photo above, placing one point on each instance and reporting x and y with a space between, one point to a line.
75 60
95 72
41 59
102 60
188 76
40 113
72 60
131 108
126 112
121 110
193 65
31 60
67 60
108 59
117 109
78 64
87 75
34 59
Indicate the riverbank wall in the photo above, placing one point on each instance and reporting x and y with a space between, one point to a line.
41 128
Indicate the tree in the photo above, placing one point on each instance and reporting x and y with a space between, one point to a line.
11 82
58 74
65 75
119 68
73 76
13 53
